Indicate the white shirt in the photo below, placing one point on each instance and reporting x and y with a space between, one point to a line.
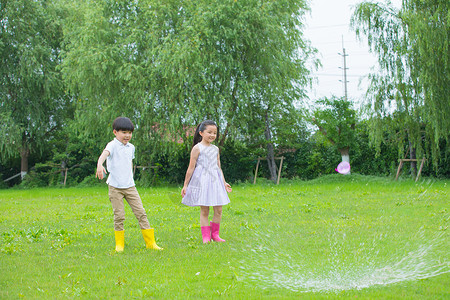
119 164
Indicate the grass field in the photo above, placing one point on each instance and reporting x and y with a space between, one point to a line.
333 237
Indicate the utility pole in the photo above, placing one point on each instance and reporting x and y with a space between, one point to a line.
344 55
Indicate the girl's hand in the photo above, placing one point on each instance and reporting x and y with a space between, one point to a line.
228 187
101 172
183 192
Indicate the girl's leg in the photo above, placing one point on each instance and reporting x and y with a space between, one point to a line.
204 224
217 214
204 215
215 224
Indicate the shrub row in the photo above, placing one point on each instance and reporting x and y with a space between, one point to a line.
313 158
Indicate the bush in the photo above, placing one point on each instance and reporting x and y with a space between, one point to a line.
91 180
237 161
313 158
3 184
170 168
42 175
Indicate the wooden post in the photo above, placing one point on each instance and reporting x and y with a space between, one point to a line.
135 167
410 159
420 169
256 172
279 170
12 177
399 168
65 176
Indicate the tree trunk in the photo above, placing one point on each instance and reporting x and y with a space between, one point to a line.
24 153
223 137
345 155
270 152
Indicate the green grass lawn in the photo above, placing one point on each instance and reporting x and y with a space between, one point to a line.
334 237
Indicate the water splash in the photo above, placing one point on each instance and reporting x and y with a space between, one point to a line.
340 271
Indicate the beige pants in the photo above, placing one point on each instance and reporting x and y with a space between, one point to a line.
116 197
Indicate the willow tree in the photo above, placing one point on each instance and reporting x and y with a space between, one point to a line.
171 64
32 98
412 84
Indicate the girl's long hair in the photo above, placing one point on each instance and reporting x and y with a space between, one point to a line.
200 128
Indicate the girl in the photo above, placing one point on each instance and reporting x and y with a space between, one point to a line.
205 184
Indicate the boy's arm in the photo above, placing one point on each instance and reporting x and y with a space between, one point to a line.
100 169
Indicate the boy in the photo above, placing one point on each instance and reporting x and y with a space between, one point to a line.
119 154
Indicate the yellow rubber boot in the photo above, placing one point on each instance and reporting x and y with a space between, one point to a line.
149 238
120 240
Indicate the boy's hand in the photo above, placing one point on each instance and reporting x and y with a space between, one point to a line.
101 172
228 187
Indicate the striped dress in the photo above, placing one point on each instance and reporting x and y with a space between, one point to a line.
206 187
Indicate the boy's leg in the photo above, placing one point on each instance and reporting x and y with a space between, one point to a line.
134 200
116 198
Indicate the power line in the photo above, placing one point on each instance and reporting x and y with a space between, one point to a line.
327 26
336 75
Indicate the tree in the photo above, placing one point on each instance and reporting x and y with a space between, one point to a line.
336 121
412 84
32 97
168 64
428 27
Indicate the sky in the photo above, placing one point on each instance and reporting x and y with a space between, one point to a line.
328 29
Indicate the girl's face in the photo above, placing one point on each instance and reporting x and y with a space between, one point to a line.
209 134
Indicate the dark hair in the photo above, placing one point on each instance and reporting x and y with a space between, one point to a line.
123 123
200 128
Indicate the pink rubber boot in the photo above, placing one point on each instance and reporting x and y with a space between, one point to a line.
206 234
215 232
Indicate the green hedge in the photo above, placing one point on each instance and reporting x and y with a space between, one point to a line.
312 159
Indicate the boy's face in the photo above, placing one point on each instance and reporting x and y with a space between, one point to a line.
123 136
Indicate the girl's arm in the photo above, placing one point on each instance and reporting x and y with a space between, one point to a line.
227 186
192 162
100 169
